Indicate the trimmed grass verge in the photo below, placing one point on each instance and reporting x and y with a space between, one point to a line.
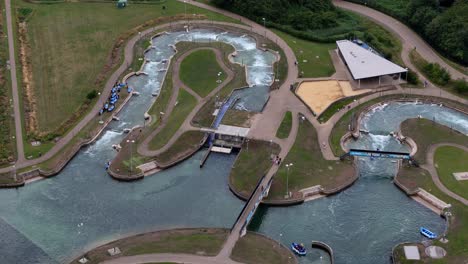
253 161
187 143
199 71
186 102
449 160
255 249
285 127
7 142
206 242
309 167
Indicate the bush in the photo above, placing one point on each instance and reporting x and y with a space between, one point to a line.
23 13
436 73
91 95
412 77
461 86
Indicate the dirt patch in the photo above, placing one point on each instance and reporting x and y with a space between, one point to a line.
30 111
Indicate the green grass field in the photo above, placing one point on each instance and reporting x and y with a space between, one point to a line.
285 126
186 102
254 249
71 45
252 163
187 143
450 160
309 167
7 143
206 242
318 61
199 71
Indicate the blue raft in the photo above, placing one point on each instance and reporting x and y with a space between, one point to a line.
427 233
299 249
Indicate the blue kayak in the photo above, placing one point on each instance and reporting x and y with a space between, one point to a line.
299 249
427 233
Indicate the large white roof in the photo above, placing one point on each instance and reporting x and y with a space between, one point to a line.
365 64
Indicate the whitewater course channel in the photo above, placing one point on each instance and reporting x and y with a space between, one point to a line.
55 220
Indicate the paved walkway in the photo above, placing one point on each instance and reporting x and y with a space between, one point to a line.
408 37
176 258
429 166
143 148
14 85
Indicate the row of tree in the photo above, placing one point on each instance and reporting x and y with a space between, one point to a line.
299 14
443 23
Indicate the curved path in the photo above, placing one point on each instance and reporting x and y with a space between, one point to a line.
429 166
409 38
143 148
14 85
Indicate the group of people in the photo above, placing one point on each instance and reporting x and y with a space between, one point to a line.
277 160
109 105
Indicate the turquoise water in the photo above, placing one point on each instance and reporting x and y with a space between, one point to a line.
57 219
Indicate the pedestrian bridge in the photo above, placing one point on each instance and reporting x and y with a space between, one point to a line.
378 154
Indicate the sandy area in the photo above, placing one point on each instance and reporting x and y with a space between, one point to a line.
318 95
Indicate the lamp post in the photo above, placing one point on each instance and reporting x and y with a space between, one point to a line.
131 154
287 178
185 10
271 146
264 24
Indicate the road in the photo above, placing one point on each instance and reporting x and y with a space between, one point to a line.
14 84
408 37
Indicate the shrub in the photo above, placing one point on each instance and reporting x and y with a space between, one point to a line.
436 73
91 95
412 77
461 86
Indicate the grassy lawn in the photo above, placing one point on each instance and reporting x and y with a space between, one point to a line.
204 117
449 160
335 107
413 178
33 152
254 249
199 71
206 242
234 117
318 61
285 127
252 163
426 132
68 58
309 167
186 102
187 143
7 143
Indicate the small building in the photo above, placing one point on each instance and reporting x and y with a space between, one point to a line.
121 3
364 64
